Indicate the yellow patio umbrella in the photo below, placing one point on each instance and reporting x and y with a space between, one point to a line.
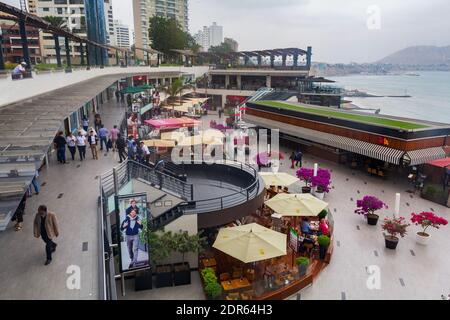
173 135
160 143
278 179
251 243
212 136
190 141
296 205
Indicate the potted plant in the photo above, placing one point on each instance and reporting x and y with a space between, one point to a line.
160 249
321 182
184 243
426 220
212 287
395 227
306 175
324 243
368 206
302 264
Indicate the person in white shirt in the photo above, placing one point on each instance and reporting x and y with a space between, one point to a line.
19 70
81 144
93 141
72 144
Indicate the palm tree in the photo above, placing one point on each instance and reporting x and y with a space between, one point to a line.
176 88
57 22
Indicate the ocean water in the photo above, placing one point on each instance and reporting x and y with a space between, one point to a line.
430 94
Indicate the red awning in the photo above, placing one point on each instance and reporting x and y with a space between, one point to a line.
173 123
441 163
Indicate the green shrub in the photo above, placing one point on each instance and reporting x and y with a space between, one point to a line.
213 290
430 191
302 261
323 241
323 214
209 276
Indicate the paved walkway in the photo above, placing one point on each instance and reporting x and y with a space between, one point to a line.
71 191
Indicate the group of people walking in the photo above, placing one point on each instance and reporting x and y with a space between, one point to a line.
99 136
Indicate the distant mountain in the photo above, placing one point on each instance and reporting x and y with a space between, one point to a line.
419 56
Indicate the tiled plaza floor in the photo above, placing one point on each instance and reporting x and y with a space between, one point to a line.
410 272
70 191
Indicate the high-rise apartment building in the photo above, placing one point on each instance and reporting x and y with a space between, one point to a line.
210 36
122 33
143 10
234 45
70 10
109 20
78 21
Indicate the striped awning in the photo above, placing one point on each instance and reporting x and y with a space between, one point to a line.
416 157
352 145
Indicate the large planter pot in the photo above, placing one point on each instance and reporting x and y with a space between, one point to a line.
306 190
422 238
391 242
319 194
372 219
323 252
302 269
164 276
181 274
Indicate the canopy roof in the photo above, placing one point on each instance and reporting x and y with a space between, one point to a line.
133 90
172 123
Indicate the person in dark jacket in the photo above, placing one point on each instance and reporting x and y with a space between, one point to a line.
298 158
132 225
60 146
121 146
18 215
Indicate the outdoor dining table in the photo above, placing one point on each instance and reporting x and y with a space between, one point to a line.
208 263
236 284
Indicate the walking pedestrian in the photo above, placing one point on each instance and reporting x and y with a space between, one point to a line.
292 158
117 95
34 184
122 97
85 124
131 148
81 144
144 154
18 215
298 158
103 134
97 122
60 146
72 145
46 227
93 141
120 144
159 169
114 133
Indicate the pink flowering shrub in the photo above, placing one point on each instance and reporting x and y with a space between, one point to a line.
322 180
369 205
306 175
428 219
395 226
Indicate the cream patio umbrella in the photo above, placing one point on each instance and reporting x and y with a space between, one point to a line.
278 179
212 136
160 143
251 243
173 135
190 141
296 205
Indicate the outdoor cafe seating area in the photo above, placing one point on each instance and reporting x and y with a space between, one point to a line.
258 258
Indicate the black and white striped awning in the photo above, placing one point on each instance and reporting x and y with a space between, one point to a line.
416 157
371 150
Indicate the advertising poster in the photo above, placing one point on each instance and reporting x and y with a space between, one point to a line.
133 217
293 240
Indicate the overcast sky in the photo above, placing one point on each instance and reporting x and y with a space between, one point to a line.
336 29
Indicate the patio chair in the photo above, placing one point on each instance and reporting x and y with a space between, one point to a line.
232 296
224 276
247 295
